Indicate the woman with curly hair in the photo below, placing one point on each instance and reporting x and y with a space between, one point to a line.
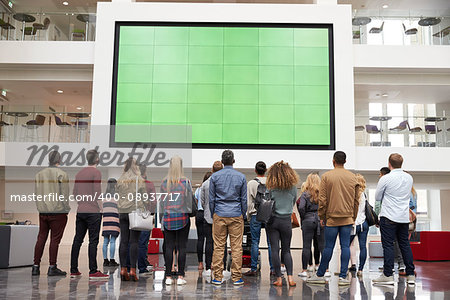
281 182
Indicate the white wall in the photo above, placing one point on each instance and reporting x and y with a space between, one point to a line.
44 52
385 56
338 15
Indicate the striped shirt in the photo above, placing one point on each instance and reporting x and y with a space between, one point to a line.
110 218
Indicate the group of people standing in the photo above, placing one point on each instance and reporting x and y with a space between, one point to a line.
331 205
93 207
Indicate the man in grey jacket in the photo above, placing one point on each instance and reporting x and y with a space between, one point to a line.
52 212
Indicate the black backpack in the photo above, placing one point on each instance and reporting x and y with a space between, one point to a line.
263 203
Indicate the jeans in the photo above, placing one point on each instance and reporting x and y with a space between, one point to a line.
331 233
361 232
111 240
176 239
280 229
200 225
310 234
389 231
53 224
128 242
86 222
255 231
143 250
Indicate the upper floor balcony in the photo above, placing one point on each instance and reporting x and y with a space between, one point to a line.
48 26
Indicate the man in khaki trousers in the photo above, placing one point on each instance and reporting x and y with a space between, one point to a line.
228 205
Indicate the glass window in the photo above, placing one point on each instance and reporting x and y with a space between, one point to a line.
422 203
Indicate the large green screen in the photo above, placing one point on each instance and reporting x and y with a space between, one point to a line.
253 85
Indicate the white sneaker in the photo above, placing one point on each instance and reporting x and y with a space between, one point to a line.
303 274
384 280
327 274
411 279
181 281
207 273
226 274
169 281
283 269
310 269
343 281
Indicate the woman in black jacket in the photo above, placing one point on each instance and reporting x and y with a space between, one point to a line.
307 205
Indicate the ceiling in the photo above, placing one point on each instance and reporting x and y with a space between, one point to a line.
402 7
44 93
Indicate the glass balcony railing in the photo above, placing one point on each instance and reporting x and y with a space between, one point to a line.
53 127
48 26
399 30
398 131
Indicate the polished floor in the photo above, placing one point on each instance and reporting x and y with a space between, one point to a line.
433 282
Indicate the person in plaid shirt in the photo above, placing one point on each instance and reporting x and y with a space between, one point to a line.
175 189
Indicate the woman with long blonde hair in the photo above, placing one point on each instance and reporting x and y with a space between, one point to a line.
130 188
362 227
308 205
281 182
177 196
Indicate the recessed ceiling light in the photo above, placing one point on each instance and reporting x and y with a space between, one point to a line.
60 91
65 3
4 93
384 95
79 107
385 6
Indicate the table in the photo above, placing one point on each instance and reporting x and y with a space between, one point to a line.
24 18
436 120
78 116
429 22
361 21
16 115
381 119
86 18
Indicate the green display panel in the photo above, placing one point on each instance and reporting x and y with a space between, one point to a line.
237 85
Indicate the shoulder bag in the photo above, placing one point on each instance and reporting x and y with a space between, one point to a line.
371 216
140 220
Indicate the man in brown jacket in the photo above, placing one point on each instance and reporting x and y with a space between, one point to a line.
338 208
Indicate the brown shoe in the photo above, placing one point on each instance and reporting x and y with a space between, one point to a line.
133 275
124 274
250 273
278 282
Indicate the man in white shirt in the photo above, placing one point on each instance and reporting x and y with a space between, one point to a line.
394 190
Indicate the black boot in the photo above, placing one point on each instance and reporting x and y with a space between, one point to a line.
54 271
112 263
35 271
106 263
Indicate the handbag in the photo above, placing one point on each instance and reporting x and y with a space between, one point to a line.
371 216
140 220
294 220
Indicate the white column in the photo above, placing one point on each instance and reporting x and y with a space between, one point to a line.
326 2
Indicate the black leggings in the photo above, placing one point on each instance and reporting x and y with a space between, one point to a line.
128 238
209 245
280 229
309 232
176 239
200 224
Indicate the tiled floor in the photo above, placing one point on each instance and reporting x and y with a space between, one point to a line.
433 283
